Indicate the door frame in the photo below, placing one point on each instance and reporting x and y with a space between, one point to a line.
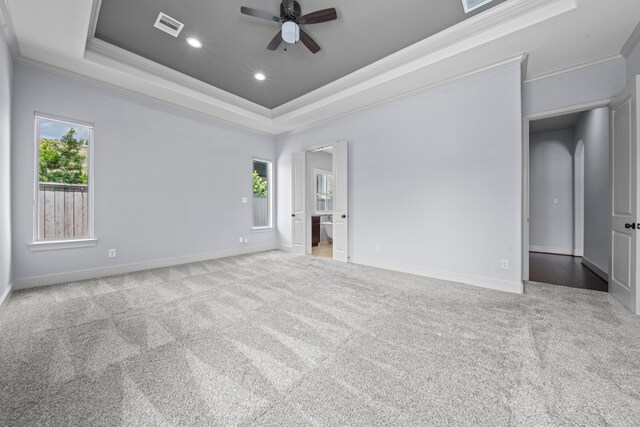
526 119
308 201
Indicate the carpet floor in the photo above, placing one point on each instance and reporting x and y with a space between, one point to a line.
278 339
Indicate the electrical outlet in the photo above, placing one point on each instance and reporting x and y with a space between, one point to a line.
244 200
378 247
504 264
241 239
246 240
112 253
555 201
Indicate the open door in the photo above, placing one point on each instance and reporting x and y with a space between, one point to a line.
298 203
623 272
340 202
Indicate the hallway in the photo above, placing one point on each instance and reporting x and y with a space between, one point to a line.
563 270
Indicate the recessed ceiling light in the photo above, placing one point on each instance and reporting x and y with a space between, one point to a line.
194 42
259 76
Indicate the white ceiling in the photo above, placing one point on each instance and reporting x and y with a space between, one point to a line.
566 121
556 35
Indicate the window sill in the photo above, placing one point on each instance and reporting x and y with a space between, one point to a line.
261 229
52 245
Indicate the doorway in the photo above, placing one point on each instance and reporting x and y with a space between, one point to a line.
568 199
320 186
320 220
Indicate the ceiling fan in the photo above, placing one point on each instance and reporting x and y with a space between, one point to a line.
291 18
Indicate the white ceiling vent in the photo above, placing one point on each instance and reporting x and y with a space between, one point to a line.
470 5
168 24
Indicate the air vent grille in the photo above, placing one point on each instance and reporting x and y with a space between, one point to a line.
168 24
470 5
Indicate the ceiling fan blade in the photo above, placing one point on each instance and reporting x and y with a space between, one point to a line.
319 16
309 42
259 14
273 45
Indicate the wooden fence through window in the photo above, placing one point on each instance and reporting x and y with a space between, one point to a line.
63 211
260 211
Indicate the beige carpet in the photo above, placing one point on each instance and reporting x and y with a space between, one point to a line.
277 339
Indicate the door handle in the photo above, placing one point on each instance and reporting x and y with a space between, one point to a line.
293 215
632 225
344 216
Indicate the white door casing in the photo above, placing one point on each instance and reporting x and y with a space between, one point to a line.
298 202
340 202
623 273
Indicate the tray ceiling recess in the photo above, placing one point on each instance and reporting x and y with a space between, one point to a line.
343 37
366 58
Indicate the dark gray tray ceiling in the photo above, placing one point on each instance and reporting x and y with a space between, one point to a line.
235 45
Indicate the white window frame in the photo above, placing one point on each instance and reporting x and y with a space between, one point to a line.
468 9
269 164
70 243
317 172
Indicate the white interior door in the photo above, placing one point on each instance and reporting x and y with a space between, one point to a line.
623 277
298 202
340 202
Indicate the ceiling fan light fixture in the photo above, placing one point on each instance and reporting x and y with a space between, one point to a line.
290 32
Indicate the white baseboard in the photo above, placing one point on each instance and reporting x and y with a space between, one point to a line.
286 248
469 279
4 299
95 273
597 270
557 251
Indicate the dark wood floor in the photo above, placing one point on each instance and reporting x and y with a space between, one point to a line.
564 270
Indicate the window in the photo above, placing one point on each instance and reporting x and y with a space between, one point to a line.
323 191
261 194
63 191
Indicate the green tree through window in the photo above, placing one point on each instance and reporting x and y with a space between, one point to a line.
62 161
260 185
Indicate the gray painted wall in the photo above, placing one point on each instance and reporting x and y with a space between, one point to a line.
167 183
598 82
551 176
6 77
435 179
593 130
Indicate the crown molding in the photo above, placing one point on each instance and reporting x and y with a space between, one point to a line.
546 113
631 43
93 20
9 32
494 23
311 108
519 59
423 65
151 99
419 72
98 50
